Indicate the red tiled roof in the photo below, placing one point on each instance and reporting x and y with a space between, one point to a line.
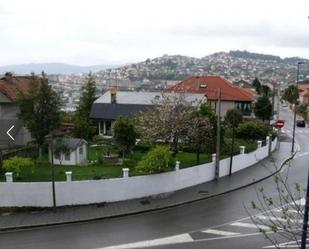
305 93
11 86
209 86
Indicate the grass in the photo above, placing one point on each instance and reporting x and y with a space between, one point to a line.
188 159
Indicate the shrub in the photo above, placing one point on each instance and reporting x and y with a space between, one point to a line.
253 130
233 114
14 164
157 160
124 134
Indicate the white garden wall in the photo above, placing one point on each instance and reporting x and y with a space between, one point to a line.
109 190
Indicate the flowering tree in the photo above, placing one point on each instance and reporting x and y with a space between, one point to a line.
168 121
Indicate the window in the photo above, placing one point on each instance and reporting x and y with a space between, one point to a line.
81 150
67 156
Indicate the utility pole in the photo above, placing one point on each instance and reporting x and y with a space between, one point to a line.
217 165
278 100
294 121
273 99
53 171
233 138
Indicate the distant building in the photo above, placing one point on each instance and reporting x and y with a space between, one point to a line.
77 154
303 85
232 96
303 88
9 87
117 103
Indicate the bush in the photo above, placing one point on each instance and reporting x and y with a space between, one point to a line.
124 134
157 160
233 114
14 164
256 130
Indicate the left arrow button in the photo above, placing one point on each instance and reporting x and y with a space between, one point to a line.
8 132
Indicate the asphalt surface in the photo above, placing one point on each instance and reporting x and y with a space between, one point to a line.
219 222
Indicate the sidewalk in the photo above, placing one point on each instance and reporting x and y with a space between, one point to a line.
64 215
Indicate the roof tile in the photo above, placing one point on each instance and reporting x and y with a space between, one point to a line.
209 86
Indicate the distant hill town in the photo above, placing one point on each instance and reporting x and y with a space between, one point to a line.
233 66
159 73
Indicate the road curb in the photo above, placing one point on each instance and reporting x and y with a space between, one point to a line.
179 204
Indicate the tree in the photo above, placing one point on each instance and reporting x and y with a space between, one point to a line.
257 85
291 94
282 209
233 114
124 134
263 108
303 109
206 111
199 132
265 90
168 121
84 127
60 148
39 109
157 160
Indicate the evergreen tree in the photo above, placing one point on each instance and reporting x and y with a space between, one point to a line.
257 85
39 109
124 134
84 127
263 108
291 94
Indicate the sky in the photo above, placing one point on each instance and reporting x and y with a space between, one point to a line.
123 31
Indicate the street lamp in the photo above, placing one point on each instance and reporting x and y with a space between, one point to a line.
305 220
294 123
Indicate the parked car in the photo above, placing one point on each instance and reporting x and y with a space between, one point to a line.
300 123
284 105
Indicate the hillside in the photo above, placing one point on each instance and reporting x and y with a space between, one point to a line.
233 66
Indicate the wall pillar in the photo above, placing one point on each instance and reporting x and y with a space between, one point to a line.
9 177
125 172
259 144
242 149
213 156
177 165
68 176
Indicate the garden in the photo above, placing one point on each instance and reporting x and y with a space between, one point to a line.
127 149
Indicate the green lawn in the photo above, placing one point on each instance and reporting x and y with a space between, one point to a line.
42 169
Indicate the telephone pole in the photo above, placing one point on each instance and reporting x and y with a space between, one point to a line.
217 165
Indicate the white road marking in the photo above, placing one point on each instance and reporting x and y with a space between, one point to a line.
219 232
181 238
263 217
249 225
301 202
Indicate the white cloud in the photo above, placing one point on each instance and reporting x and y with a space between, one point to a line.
104 31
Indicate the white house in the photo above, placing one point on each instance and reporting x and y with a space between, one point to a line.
77 154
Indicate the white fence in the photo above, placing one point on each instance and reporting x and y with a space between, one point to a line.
95 191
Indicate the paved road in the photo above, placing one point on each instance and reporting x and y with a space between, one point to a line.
220 222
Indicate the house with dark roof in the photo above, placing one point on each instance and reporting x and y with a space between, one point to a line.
76 153
115 103
232 96
9 87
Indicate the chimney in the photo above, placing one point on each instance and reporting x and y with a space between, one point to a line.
113 92
8 76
